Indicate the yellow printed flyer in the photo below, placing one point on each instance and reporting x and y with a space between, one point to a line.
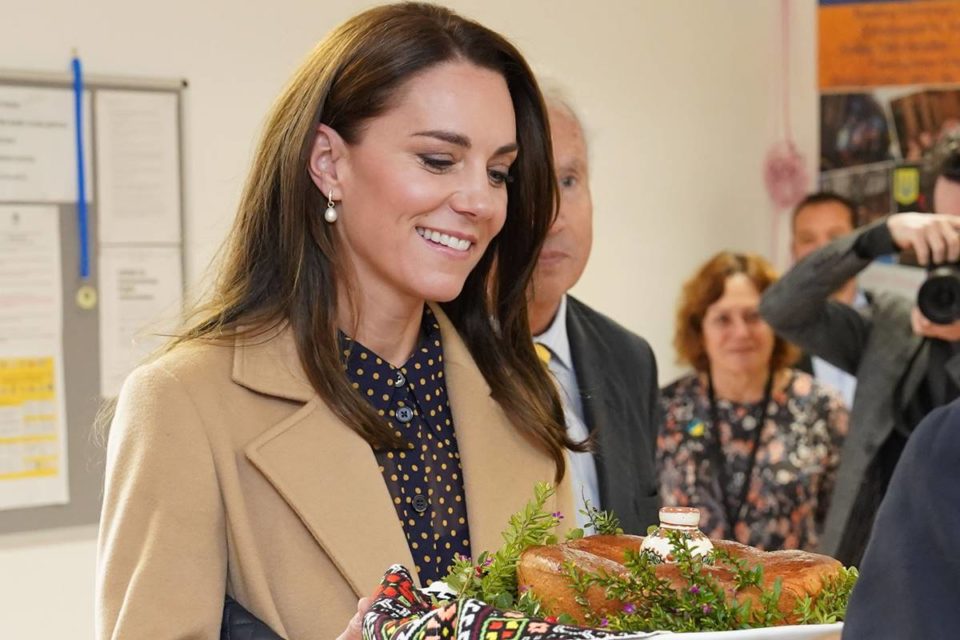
30 442
33 452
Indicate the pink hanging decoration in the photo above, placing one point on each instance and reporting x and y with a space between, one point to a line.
784 168
785 174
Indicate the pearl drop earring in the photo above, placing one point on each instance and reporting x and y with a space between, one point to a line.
330 215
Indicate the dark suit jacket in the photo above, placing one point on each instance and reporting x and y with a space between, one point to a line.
617 374
909 575
876 344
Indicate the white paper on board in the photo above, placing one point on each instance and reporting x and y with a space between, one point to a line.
141 293
138 167
38 153
33 429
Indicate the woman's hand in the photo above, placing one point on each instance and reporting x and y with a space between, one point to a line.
934 237
355 626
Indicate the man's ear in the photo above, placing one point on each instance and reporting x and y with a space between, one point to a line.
326 156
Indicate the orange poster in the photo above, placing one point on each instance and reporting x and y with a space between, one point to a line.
871 44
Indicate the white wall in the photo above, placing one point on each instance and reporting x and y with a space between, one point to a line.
46 584
681 99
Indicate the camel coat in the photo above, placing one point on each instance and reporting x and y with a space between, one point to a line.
227 474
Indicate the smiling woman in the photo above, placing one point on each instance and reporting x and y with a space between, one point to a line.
363 371
751 442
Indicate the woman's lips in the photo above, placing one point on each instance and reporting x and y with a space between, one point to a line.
551 255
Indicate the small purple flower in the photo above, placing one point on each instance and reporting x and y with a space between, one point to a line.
707 609
558 515
488 562
604 622
629 608
523 588
695 590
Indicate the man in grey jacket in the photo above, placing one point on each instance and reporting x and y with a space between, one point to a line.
905 365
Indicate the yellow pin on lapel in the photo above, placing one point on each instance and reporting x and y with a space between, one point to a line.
696 428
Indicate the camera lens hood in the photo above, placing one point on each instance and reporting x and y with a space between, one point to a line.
939 295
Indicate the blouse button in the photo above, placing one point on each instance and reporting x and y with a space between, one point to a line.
400 380
420 503
404 414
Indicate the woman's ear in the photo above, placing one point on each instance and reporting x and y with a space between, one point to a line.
326 154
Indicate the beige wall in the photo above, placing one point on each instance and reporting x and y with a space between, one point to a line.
681 99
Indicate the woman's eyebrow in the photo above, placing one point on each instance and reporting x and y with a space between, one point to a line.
461 140
447 136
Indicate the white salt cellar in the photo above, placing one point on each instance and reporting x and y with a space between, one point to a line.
684 520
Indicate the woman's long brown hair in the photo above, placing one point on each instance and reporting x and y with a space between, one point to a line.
280 262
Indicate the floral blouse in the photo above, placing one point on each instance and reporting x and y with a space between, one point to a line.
792 478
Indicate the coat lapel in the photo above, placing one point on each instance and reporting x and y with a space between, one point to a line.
917 352
500 466
953 369
599 392
326 473
330 477
599 387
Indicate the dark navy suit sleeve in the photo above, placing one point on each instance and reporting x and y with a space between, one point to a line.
911 569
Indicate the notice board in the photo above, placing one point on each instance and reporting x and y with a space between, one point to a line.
91 265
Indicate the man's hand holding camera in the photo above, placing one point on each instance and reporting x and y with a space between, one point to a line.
935 239
923 327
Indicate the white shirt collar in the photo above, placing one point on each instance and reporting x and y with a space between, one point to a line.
555 337
860 301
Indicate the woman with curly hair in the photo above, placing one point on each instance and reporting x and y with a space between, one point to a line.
751 442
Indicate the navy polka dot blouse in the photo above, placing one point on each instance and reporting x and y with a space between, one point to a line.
425 481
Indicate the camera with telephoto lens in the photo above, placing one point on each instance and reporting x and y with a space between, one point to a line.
939 295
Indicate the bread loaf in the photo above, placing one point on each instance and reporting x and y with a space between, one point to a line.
541 569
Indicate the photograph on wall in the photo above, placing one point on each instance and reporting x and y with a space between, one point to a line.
922 117
889 80
866 185
854 131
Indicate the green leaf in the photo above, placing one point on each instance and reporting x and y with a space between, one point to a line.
602 522
566 618
492 577
503 601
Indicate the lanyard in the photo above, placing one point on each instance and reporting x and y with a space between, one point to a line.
86 294
735 515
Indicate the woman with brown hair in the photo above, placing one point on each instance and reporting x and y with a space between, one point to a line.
751 442
362 375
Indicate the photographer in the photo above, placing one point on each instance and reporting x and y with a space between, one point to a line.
905 364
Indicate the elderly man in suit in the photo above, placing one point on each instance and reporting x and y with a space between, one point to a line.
607 375
905 364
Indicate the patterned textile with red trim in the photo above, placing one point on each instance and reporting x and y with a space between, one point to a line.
401 612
